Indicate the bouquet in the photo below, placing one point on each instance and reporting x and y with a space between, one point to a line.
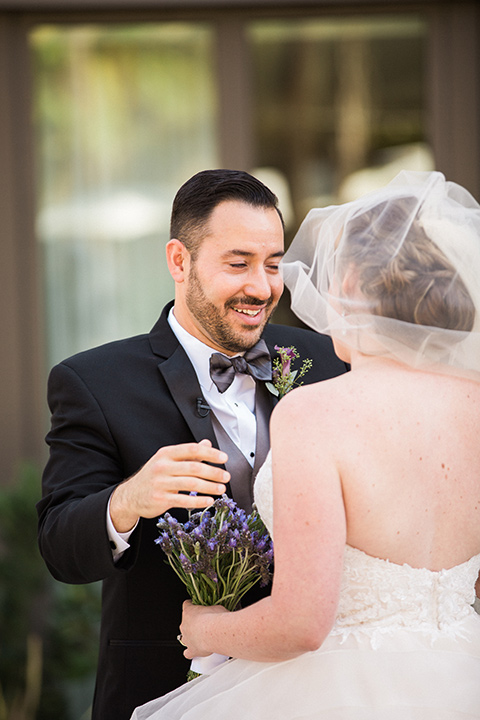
219 554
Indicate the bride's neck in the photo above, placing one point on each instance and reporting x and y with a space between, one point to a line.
360 361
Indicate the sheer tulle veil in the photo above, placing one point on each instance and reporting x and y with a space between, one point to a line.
395 273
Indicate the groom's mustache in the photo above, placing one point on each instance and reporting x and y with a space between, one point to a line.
248 301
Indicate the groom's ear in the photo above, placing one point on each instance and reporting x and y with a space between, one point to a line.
178 260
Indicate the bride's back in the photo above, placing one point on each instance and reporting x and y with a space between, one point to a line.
409 458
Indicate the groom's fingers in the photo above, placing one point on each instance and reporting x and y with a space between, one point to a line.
202 452
192 462
196 468
193 477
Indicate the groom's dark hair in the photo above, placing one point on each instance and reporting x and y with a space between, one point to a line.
199 196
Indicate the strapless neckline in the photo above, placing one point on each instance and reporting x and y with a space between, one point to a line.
474 560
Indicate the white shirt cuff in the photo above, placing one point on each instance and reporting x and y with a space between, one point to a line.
118 541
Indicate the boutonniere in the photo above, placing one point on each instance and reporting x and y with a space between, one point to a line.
284 378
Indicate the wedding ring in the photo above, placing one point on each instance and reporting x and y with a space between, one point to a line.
179 638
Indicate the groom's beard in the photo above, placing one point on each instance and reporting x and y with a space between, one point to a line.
214 319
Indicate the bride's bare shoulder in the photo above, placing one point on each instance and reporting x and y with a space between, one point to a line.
332 397
343 403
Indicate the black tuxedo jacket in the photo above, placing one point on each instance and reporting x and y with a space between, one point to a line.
112 408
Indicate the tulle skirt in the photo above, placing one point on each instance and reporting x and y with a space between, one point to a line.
404 675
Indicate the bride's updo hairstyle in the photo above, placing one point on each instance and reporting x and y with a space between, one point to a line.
416 284
395 273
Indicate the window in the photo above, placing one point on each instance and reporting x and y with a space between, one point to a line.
339 103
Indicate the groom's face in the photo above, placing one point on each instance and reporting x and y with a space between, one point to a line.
233 285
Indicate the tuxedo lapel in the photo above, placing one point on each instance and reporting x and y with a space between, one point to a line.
181 379
272 399
182 383
264 402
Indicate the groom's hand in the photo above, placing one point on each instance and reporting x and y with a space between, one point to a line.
165 481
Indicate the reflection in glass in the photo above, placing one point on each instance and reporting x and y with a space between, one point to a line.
339 103
123 116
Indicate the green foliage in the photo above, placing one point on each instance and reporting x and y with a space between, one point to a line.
48 631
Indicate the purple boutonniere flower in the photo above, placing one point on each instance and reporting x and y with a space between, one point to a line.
284 378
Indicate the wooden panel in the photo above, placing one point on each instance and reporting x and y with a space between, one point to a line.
235 119
10 376
453 87
21 416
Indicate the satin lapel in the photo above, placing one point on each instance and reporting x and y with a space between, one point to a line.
273 400
264 402
182 382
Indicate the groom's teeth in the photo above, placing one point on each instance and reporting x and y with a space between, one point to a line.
252 313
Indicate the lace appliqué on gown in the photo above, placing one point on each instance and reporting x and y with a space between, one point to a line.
380 597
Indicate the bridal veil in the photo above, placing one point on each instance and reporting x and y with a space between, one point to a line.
395 273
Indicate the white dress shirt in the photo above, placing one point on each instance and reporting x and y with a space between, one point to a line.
234 409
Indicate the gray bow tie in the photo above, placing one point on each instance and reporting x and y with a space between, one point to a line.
256 362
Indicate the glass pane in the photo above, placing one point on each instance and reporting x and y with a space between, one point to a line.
123 116
339 104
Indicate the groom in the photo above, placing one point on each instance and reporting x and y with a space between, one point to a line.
127 418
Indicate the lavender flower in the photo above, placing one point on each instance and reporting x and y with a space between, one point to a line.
219 553
186 563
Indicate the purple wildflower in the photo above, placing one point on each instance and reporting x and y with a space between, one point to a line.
165 543
212 544
219 554
186 563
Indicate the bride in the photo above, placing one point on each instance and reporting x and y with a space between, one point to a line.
372 486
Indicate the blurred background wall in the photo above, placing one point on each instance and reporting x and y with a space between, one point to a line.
108 106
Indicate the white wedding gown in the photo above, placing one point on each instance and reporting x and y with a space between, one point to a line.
405 646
